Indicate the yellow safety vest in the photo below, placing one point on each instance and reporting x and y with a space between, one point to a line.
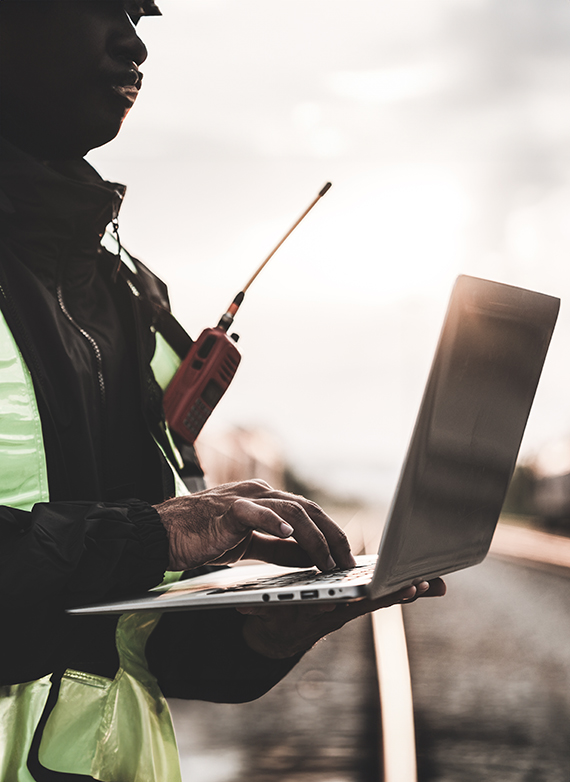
114 730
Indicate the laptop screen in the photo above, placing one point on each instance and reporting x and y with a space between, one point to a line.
469 429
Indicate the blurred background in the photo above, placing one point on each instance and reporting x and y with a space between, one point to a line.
444 126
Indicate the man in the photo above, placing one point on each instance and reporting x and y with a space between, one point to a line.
87 484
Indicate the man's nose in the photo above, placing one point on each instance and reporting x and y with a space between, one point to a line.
127 45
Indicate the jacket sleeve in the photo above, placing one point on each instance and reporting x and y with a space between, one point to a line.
61 554
201 655
79 551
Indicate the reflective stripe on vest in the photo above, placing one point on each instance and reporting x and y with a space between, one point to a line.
22 458
116 730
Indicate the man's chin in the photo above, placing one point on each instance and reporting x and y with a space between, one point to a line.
102 137
77 142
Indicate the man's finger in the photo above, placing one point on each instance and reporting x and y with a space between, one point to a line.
337 542
336 537
248 515
436 588
306 532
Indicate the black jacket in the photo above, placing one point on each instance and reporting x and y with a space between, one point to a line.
88 338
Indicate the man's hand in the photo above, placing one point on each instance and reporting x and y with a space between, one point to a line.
251 520
284 630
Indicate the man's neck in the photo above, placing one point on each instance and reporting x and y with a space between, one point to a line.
40 146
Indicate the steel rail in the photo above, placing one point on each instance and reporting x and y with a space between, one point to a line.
535 547
396 743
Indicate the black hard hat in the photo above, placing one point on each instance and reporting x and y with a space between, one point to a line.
138 8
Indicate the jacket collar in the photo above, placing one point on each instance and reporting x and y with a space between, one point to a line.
54 206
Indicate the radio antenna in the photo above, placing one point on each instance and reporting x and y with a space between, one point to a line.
227 319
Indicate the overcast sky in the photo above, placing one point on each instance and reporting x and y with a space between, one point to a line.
444 126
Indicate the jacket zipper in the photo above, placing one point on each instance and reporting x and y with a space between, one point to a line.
94 346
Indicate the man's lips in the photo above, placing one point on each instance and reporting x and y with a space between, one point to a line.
127 91
127 84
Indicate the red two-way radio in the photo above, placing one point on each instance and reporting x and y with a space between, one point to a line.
210 365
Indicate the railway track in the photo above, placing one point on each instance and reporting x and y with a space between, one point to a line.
491 666
513 542
346 712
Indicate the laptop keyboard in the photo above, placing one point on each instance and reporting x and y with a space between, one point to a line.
301 578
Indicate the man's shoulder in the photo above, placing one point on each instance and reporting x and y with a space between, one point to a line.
155 289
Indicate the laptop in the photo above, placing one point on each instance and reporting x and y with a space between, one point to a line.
454 477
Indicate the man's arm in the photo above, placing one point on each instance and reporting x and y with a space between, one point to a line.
61 554
79 551
202 655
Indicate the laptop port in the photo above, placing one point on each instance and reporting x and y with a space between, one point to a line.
286 596
309 594
265 597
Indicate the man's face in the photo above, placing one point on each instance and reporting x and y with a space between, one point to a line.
68 74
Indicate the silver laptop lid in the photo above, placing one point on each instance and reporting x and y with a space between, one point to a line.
468 432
